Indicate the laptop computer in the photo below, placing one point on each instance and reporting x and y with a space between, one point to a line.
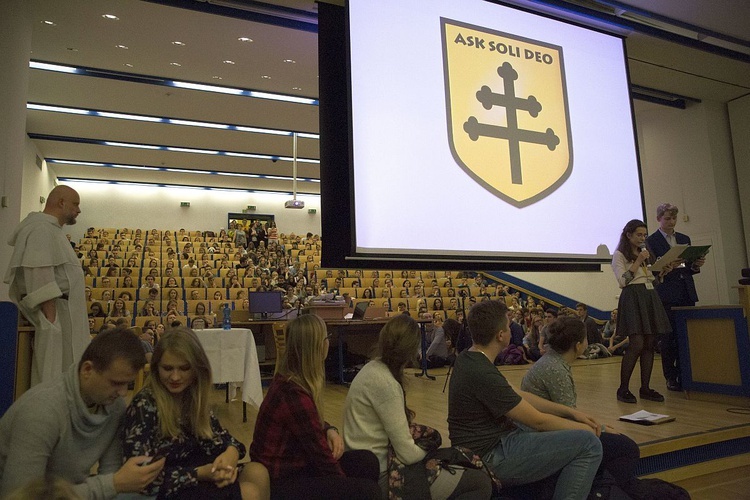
364 311
359 310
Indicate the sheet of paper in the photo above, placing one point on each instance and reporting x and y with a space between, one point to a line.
645 415
672 255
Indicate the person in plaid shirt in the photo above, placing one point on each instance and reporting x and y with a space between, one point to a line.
305 455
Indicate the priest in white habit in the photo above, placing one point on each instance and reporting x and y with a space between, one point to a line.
46 282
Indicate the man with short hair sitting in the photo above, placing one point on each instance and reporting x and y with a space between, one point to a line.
593 334
63 427
483 410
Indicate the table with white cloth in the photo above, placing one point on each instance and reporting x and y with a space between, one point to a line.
234 358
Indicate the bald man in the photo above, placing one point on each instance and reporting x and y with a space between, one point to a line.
46 282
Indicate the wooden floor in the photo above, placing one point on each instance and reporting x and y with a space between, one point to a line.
697 421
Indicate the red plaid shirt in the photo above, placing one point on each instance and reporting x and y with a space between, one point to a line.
289 438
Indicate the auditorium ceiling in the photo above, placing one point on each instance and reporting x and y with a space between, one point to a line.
142 104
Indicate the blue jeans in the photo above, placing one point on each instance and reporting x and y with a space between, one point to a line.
524 456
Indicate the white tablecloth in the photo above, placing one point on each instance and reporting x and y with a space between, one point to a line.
234 358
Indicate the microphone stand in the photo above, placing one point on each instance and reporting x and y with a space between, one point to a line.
461 333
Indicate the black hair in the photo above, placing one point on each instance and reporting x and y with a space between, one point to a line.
566 332
624 245
112 344
451 327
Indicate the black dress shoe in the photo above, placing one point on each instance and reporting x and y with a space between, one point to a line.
626 396
651 395
674 385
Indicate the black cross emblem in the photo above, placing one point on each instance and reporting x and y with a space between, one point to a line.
511 132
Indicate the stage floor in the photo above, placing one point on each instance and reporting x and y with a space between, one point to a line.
700 429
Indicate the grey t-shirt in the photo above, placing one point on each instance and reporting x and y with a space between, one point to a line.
550 378
478 399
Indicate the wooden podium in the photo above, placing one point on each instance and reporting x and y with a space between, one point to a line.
715 347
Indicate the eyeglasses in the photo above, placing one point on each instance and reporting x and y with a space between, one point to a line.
329 337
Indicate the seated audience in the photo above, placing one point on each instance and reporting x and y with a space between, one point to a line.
118 310
376 418
158 332
148 309
96 310
173 306
170 417
532 339
550 378
150 282
200 309
610 326
147 335
618 344
438 350
201 323
517 332
550 315
63 427
153 294
305 455
592 329
483 410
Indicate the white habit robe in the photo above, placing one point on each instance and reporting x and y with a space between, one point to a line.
45 267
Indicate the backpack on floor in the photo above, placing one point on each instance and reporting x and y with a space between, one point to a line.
656 489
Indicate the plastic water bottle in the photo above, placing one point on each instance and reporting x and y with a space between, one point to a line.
227 323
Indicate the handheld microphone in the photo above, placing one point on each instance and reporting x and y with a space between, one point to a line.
642 247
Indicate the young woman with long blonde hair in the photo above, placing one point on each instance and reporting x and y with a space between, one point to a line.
304 454
170 417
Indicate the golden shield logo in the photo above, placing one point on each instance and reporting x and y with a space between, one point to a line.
507 106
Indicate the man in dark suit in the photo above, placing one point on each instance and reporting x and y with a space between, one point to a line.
675 288
516 331
593 335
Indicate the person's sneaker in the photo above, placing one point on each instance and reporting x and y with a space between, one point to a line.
651 395
626 396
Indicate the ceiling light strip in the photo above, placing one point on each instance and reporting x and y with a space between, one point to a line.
154 147
61 161
179 186
155 80
172 121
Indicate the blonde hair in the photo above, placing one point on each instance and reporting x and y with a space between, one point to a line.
666 208
182 342
46 488
303 360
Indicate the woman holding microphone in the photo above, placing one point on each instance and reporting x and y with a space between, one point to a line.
641 314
